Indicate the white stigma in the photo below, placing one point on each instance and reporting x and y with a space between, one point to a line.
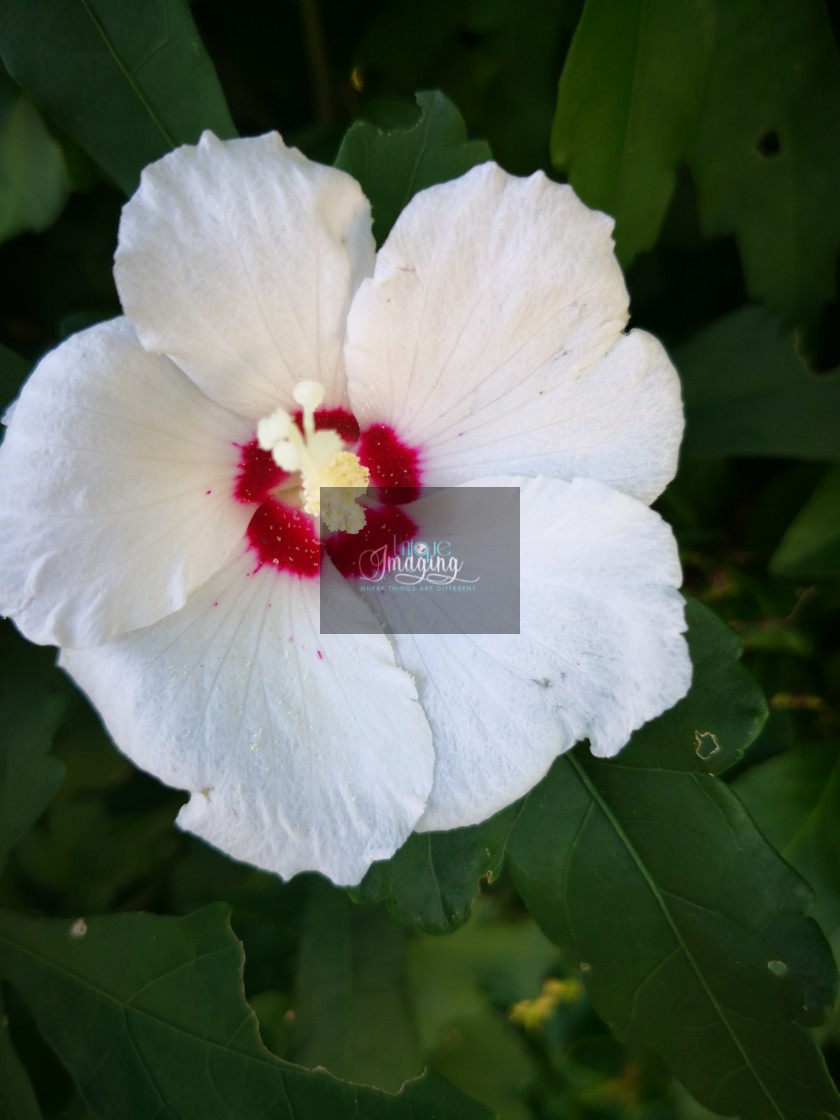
320 459
308 394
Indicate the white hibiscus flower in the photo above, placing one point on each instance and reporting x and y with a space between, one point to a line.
149 533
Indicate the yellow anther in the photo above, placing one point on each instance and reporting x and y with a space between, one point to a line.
346 480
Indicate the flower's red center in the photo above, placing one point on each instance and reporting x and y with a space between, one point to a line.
283 536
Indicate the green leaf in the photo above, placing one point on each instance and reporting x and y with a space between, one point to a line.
710 729
432 880
688 928
795 799
167 1030
17 1097
766 159
747 392
497 60
127 81
351 1007
393 166
33 176
811 546
29 776
627 107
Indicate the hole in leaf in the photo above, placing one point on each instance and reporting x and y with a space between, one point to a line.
706 745
768 143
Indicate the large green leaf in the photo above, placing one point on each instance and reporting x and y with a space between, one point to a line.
351 1005
795 799
688 928
431 881
127 81
710 728
393 166
17 1097
766 158
29 776
748 392
147 1014
33 176
627 107
811 545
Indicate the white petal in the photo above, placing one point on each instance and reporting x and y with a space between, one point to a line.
600 651
490 339
239 259
303 751
116 479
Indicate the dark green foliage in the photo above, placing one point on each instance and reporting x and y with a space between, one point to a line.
127 82
167 1029
630 924
392 167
